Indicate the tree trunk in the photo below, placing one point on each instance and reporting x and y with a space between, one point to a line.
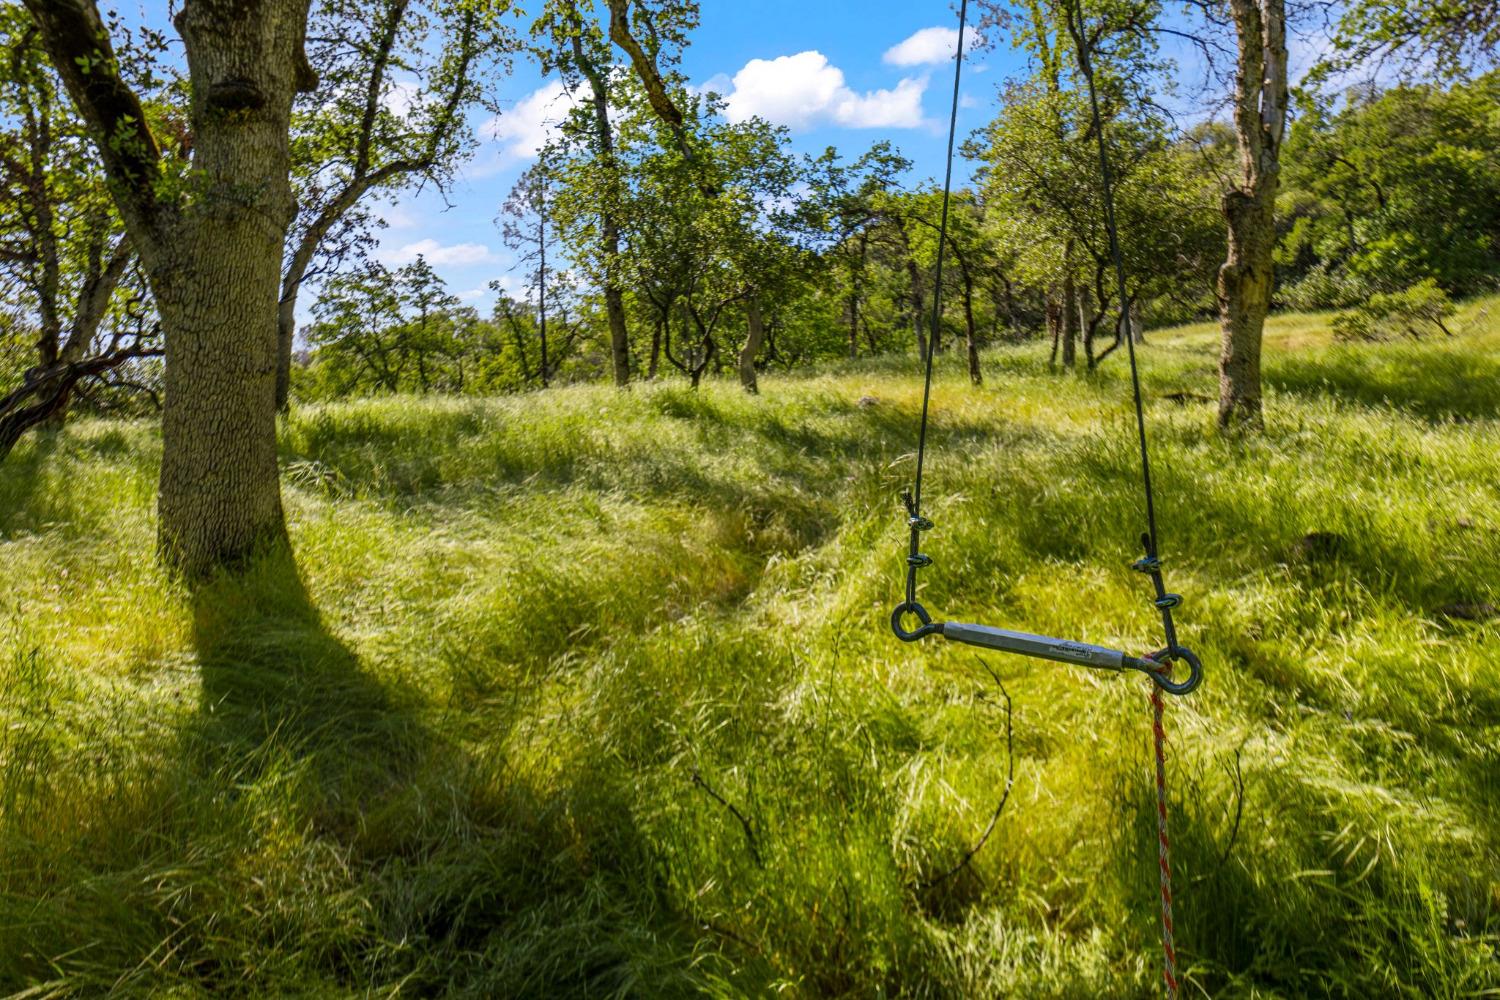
918 306
614 306
1054 322
286 335
220 495
755 336
609 227
1137 330
213 260
853 325
971 334
1247 278
1069 321
1245 283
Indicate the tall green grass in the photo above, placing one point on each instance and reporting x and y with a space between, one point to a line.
587 693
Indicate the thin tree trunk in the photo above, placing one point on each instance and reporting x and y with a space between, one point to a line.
1054 322
972 334
1069 320
918 306
853 325
1247 278
609 227
755 336
541 291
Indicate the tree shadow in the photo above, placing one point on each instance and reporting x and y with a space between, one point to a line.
279 688
22 476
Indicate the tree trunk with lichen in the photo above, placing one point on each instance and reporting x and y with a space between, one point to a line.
1247 277
755 338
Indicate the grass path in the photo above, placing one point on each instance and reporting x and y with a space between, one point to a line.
591 694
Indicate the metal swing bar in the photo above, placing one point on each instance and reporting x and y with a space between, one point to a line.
1044 647
1158 665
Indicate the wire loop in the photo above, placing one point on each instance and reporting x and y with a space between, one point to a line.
927 627
1163 675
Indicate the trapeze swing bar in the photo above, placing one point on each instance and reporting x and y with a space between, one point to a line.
1043 647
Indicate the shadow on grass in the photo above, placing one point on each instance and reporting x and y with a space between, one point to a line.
1433 382
469 874
22 474
279 688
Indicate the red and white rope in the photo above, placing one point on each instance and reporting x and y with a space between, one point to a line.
1164 855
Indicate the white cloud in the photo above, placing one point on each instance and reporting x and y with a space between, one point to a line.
398 216
525 129
804 90
511 284
440 255
930 47
402 96
719 83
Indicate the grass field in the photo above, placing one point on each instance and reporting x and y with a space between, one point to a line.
592 694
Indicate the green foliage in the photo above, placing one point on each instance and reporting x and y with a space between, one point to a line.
455 754
1422 308
1397 187
383 332
1444 38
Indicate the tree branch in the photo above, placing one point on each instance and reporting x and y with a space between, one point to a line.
79 45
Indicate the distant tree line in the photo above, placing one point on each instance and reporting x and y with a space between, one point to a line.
167 202
797 260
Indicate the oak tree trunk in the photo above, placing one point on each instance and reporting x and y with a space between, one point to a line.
212 256
286 335
918 306
217 285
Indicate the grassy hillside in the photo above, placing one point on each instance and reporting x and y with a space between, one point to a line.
592 694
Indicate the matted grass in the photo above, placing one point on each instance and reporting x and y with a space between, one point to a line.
587 693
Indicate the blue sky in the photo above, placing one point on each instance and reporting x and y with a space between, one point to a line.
845 74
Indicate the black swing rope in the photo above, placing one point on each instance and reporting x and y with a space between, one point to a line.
1158 664
915 560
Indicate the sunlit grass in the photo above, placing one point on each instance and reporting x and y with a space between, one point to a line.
467 744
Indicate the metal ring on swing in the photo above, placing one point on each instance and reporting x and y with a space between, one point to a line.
928 626
1165 658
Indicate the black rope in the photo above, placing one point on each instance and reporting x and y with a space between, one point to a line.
1151 564
915 560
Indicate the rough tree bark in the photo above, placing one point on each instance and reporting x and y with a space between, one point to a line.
212 258
1246 279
